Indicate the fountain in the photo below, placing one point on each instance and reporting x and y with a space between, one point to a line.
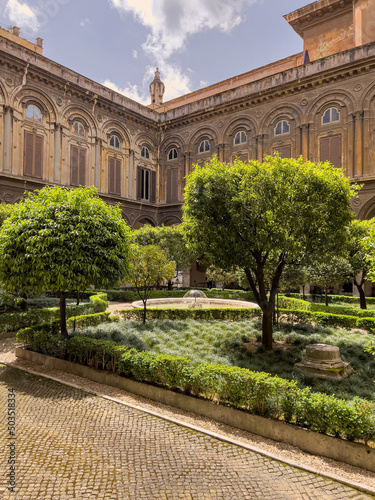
195 299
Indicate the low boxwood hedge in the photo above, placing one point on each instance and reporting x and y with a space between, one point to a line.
12 322
257 393
200 314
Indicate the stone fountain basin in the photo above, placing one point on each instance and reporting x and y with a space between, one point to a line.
183 303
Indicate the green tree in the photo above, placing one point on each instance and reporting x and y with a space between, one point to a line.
225 277
329 272
358 257
148 266
170 239
263 216
62 240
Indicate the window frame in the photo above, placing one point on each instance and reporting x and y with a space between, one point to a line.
145 153
172 154
206 146
240 134
114 136
32 118
282 122
330 110
80 127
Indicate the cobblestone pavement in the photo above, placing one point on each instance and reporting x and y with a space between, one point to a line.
73 444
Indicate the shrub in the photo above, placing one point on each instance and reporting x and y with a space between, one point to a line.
199 314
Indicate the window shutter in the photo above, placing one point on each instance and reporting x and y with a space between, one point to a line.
28 157
335 151
118 177
139 183
38 164
111 175
82 167
74 165
153 187
172 185
324 149
284 151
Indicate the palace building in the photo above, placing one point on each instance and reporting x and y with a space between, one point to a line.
58 127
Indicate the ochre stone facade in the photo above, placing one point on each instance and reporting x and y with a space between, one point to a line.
59 128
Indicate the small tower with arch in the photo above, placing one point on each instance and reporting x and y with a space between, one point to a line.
157 89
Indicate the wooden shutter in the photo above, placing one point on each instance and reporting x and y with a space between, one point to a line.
172 185
114 176
284 151
33 155
330 150
118 177
335 150
153 187
28 155
111 175
74 165
139 183
38 161
82 167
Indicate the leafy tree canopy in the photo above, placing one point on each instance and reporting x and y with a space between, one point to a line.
62 240
148 267
262 216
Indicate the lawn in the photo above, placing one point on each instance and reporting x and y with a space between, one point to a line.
237 344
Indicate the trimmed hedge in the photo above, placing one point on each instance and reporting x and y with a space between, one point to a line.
331 298
257 393
12 322
199 314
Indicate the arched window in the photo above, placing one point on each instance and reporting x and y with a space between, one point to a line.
282 127
78 129
33 113
145 153
330 115
172 155
204 146
114 141
240 138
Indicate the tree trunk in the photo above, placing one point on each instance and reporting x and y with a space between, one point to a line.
326 295
362 297
23 304
63 329
144 311
267 330
169 284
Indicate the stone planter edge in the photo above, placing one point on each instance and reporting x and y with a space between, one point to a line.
356 454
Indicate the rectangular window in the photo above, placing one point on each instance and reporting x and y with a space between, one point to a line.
284 151
33 155
146 185
114 176
172 185
330 150
77 166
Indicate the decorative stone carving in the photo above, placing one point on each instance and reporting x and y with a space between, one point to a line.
323 361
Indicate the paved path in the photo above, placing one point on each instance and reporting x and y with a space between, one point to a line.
72 444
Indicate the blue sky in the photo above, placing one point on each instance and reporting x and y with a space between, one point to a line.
195 43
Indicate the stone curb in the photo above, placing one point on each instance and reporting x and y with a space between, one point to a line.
355 454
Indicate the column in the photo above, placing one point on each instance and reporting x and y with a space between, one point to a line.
57 154
8 115
259 147
131 173
305 141
97 163
358 143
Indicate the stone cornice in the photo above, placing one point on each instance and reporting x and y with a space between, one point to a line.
302 18
323 71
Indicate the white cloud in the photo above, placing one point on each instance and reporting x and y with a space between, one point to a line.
135 54
84 22
172 22
20 14
131 91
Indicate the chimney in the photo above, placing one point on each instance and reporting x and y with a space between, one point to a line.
16 30
39 42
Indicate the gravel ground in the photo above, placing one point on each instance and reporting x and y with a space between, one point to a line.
280 451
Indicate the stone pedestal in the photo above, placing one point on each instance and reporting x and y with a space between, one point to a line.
323 361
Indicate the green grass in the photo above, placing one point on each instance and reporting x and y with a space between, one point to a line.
224 342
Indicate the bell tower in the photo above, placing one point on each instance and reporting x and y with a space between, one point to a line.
157 90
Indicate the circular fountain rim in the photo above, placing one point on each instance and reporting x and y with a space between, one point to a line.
230 302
